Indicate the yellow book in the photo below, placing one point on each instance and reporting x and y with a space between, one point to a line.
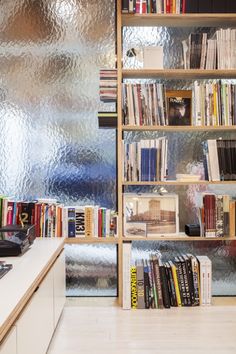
174 6
134 296
89 222
176 283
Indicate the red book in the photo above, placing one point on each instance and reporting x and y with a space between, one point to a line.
99 222
168 6
37 219
10 206
184 7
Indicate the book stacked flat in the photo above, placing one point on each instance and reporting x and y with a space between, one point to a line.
184 281
144 104
178 6
220 160
214 104
217 216
145 160
218 52
108 85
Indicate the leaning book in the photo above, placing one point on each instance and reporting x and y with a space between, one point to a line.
150 215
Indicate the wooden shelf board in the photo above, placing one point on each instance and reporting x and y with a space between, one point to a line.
76 240
176 183
182 20
178 74
177 128
177 238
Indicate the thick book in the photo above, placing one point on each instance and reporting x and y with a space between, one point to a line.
125 6
79 221
126 275
71 222
188 265
158 284
134 296
140 285
186 281
164 285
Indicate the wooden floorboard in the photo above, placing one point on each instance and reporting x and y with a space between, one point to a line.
98 326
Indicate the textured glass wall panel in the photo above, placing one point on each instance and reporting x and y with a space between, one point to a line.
91 270
222 254
50 55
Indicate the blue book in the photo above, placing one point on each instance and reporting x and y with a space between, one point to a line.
153 164
145 164
71 222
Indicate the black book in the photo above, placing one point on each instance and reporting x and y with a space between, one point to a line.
164 285
154 6
171 285
231 6
218 6
125 6
190 277
146 286
181 282
205 6
191 6
221 158
157 277
186 282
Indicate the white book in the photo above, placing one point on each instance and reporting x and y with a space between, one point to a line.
108 222
127 275
65 222
213 160
95 215
205 266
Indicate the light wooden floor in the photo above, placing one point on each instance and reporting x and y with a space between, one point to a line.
98 326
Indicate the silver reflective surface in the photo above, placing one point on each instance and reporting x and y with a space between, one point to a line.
50 55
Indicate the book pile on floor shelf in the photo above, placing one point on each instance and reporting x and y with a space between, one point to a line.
53 219
155 284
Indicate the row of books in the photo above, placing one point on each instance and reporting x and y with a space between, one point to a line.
53 219
218 52
178 6
108 85
214 104
217 216
144 104
145 160
155 284
89 221
220 160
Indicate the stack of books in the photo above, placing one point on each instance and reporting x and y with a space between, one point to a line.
178 6
214 104
218 52
217 216
145 160
220 160
108 85
156 284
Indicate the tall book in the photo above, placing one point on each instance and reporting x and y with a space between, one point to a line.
126 275
134 297
79 221
140 285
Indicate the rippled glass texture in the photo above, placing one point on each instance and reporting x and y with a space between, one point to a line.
50 55
91 270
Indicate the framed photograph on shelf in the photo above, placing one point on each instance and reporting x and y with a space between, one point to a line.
150 215
179 107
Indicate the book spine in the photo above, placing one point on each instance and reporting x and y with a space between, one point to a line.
146 287
89 223
80 221
158 282
125 6
134 296
140 286
181 283
126 276
71 222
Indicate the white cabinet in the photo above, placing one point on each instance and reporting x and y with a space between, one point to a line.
9 344
59 278
35 326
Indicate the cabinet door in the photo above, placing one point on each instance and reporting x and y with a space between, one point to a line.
59 275
35 326
9 344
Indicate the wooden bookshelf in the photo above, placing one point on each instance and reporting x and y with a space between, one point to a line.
183 128
178 183
180 238
178 74
182 20
91 240
168 20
